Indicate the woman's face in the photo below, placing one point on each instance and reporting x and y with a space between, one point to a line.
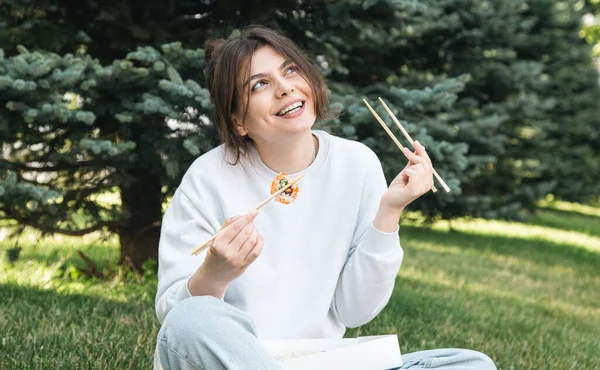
281 101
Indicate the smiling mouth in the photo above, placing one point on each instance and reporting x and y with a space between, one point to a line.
290 109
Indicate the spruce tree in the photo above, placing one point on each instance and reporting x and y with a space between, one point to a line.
456 73
110 97
105 98
572 142
78 129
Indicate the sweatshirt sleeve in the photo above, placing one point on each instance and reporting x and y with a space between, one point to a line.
367 278
183 228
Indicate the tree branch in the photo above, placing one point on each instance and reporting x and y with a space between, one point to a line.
82 193
56 167
110 225
93 269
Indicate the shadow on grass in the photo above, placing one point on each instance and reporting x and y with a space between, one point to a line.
536 250
16 295
46 329
48 256
570 212
510 329
566 220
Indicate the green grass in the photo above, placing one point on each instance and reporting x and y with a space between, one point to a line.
50 318
527 294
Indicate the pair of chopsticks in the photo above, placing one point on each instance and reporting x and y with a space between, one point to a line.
202 247
437 176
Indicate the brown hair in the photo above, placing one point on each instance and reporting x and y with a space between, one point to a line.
224 60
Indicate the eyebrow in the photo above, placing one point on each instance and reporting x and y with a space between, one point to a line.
262 75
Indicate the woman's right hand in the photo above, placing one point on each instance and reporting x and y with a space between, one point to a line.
228 257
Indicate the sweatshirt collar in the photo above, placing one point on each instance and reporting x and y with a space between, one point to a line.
268 174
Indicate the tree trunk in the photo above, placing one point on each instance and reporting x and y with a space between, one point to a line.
142 201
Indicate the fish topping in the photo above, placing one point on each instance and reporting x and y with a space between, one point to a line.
288 195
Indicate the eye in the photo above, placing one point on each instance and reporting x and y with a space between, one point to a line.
258 85
290 70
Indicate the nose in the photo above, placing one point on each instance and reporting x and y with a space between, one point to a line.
284 88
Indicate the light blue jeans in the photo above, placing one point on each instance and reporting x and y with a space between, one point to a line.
206 333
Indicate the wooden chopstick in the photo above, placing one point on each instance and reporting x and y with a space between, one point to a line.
437 176
202 247
433 188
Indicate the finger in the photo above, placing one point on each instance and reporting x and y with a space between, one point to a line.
423 173
256 251
429 167
409 173
420 150
420 169
414 158
426 179
423 176
241 238
229 221
232 230
238 259
230 250
249 243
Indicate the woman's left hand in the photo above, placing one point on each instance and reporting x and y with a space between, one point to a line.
413 181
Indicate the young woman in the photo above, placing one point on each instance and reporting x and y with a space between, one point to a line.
307 269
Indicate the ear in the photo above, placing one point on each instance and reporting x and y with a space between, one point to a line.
239 126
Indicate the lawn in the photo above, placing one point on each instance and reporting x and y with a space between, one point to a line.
527 294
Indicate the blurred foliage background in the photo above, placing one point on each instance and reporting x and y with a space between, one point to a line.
103 105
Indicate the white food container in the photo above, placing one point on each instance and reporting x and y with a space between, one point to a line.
379 352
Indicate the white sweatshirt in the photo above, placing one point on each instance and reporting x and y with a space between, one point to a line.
324 267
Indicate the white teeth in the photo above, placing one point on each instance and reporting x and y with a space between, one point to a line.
289 108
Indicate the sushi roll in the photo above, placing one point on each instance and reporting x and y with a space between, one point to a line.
289 195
